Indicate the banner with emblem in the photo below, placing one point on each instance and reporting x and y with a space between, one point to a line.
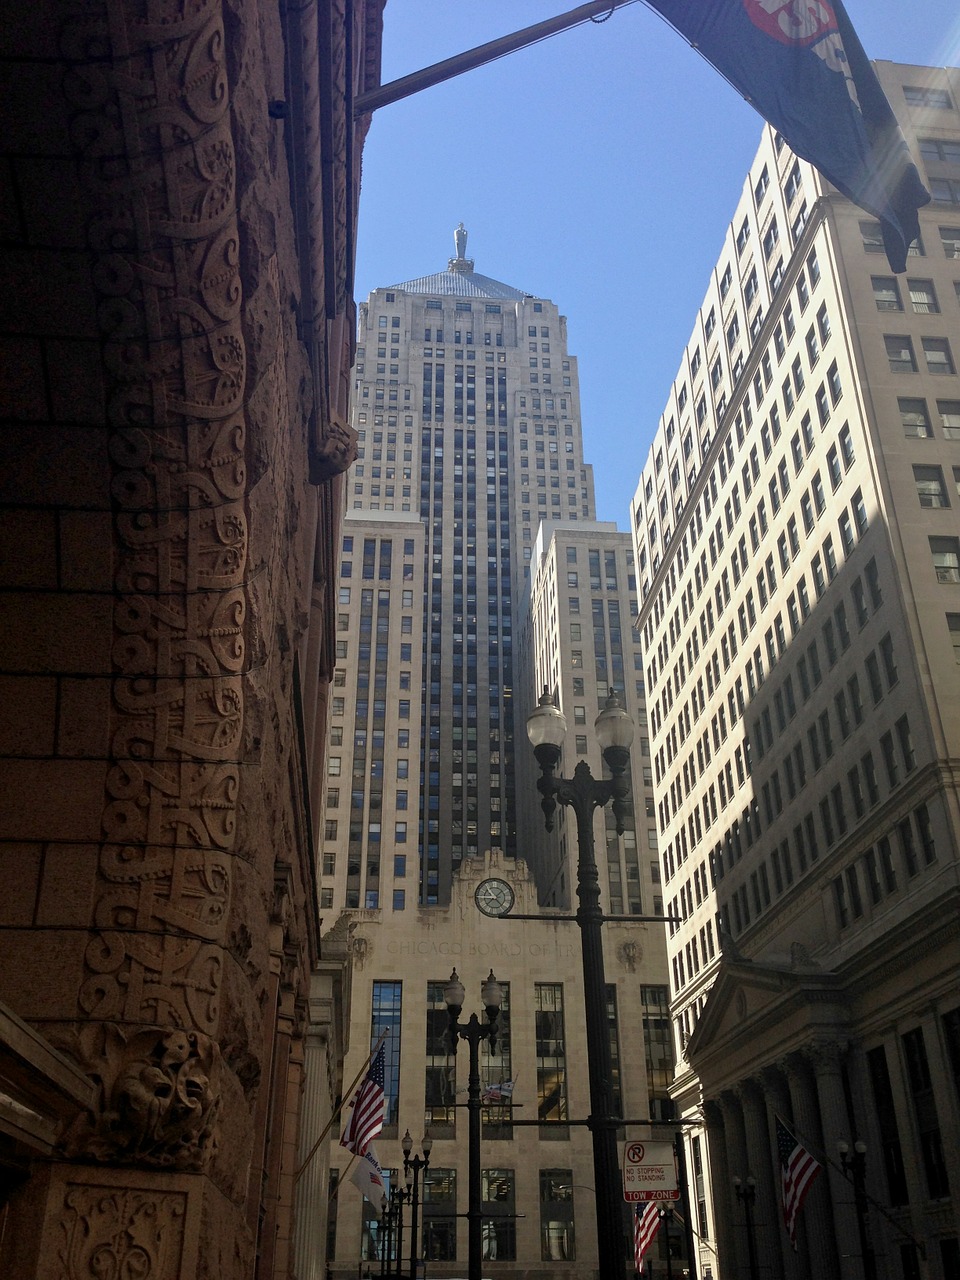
801 65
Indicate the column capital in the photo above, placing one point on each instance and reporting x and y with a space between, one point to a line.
826 1056
713 1117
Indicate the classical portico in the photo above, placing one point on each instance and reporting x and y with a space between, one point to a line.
789 1039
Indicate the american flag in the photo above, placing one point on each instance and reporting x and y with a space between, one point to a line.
646 1224
366 1119
797 1170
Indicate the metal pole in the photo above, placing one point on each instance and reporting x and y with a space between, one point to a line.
857 1164
395 1260
478 57
747 1195
681 1155
667 1215
416 1164
473 1037
606 1173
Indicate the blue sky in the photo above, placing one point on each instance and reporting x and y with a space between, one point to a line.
598 168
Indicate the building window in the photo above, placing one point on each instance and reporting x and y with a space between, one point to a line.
946 558
938 355
551 1060
557 1238
439 1215
386 1014
925 1112
949 411
900 355
914 418
916 96
923 297
930 487
872 237
440 1085
886 293
499 1224
953 626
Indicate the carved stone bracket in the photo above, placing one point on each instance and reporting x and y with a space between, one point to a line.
158 1097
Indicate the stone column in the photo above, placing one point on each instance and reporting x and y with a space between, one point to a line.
767 1216
311 1188
735 1262
817 1213
826 1058
778 1104
718 1162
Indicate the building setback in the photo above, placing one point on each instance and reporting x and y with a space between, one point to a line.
467 413
797 533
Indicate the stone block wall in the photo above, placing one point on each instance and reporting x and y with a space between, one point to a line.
158 595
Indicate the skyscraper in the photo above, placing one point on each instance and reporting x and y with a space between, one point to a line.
467 415
467 411
798 547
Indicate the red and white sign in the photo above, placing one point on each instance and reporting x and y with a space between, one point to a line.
649 1172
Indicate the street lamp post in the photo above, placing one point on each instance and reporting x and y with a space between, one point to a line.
856 1165
402 1195
747 1195
546 729
412 1167
666 1213
385 1234
473 1031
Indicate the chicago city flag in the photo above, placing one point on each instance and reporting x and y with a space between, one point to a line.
801 65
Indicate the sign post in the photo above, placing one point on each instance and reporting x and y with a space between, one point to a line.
649 1172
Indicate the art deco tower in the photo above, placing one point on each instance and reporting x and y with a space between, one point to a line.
468 415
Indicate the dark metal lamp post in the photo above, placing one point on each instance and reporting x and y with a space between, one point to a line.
412 1168
546 729
856 1165
473 1031
747 1195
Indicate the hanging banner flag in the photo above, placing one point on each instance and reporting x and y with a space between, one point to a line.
368 1176
801 65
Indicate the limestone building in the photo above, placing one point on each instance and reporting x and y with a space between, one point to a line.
467 414
179 204
797 532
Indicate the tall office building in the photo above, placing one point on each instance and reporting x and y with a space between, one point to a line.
467 413
797 532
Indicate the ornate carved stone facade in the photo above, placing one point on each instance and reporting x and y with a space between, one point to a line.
165 605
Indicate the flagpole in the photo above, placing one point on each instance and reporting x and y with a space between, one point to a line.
347 1095
340 1181
815 1149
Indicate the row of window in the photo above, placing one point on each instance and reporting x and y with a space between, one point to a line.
438 1228
852 524
902 358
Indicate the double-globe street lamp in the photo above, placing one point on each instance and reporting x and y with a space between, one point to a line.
412 1168
474 1032
546 729
391 1218
746 1193
856 1164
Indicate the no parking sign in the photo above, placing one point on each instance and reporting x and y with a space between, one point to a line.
649 1172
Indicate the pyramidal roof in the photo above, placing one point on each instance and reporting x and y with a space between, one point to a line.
460 280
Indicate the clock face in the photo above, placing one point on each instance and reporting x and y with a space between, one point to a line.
494 897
